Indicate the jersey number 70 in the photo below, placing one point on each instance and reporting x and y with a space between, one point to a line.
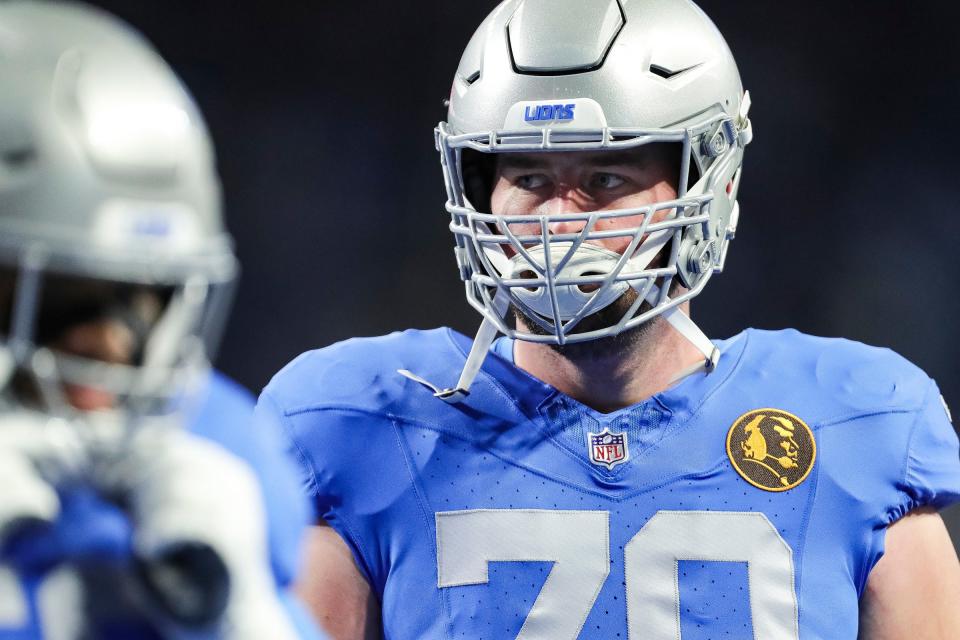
578 544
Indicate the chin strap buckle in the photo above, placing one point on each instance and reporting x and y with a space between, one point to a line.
711 363
486 334
744 126
448 395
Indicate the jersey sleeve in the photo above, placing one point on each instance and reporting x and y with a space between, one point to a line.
268 417
323 449
932 469
348 419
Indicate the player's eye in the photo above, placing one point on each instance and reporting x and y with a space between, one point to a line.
603 180
531 181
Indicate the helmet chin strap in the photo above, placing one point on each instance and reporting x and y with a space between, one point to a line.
478 353
686 327
487 332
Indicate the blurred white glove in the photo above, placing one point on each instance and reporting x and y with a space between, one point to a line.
36 454
200 533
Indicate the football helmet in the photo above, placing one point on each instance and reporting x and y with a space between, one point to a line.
593 75
107 187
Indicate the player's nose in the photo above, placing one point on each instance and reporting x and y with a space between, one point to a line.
564 205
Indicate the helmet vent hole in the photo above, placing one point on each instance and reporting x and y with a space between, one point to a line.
528 275
668 74
592 287
473 77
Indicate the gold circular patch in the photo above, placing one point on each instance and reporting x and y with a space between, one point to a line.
771 449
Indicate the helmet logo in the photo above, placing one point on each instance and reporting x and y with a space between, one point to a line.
771 449
158 227
607 448
125 224
587 113
545 112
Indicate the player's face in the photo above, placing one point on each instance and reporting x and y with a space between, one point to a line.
575 182
104 328
91 319
106 340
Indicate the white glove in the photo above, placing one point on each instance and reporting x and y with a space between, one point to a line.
36 454
192 502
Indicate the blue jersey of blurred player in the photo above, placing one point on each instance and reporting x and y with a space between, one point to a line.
605 470
138 499
85 561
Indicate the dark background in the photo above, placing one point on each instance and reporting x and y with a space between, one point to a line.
322 114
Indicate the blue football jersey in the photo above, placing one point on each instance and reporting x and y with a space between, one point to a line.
94 536
750 502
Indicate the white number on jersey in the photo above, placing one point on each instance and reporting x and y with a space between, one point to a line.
578 544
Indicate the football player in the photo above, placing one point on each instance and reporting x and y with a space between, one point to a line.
604 470
136 500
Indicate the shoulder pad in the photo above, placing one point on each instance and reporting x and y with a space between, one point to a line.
842 377
361 373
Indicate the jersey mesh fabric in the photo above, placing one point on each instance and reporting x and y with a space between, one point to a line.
383 461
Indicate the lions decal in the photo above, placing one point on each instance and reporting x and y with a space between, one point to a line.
771 449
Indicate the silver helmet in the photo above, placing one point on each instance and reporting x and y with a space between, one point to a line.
594 75
107 176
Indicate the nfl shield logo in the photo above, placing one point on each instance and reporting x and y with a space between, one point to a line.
607 448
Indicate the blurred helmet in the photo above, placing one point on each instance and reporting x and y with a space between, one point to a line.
593 75
108 196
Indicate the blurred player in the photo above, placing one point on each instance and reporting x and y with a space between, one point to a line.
115 276
605 470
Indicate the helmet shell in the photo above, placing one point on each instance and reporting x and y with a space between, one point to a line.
651 64
542 76
106 165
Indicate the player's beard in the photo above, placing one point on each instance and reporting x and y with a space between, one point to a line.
601 348
611 346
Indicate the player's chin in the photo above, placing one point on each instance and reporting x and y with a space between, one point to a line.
599 348
88 398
